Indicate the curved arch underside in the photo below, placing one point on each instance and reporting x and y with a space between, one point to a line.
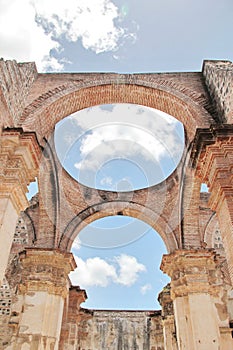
147 90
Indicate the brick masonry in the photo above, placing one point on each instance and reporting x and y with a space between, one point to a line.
185 219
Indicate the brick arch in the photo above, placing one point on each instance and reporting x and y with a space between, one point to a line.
79 205
101 210
158 206
53 106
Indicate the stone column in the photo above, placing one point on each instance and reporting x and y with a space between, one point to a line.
199 300
71 318
169 331
44 287
19 159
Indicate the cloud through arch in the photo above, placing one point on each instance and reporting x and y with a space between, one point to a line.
148 142
123 269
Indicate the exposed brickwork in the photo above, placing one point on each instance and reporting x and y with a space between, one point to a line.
168 319
188 113
219 81
55 96
215 168
50 88
183 95
16 80
188 87
141 204
193 226
209 226
72 316
189 214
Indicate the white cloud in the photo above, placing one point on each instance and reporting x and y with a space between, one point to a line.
32 30
51 63
109 133
91 21
129 268
144 289
76 244
123 270
117 141
107 180
127 131
130 114
92 272
21 38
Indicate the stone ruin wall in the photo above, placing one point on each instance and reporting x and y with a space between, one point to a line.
128 330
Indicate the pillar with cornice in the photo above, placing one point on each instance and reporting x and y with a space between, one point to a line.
199 300
19 161
213 159
168 320
44 287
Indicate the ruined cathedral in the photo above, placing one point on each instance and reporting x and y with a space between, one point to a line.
39 308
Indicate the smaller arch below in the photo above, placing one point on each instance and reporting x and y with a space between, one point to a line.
140 258
101 210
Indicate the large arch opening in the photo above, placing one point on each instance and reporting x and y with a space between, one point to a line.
119 147
119 273
93 90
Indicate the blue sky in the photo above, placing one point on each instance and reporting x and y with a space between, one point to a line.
120 268
127 276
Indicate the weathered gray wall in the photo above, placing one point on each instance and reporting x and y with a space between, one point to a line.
123 330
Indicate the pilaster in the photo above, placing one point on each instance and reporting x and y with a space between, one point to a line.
214 165
19 161
44 287
199 299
